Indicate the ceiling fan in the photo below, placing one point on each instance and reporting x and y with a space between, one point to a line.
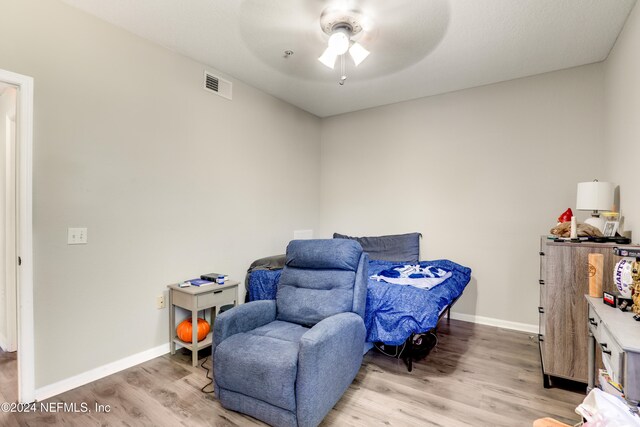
290 36
343 28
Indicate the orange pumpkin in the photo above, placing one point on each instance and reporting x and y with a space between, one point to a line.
185 330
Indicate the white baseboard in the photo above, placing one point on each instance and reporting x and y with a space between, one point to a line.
4 342
67 384
490 321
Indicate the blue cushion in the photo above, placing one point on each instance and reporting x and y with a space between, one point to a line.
395 247
281 330
262 367
309 306
318 280
324 254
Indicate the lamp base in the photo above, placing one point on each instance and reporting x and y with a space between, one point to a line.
597 222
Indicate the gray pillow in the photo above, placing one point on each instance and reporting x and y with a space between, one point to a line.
396 247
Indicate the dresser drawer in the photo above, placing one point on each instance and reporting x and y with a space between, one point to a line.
217 298
595 324
612 355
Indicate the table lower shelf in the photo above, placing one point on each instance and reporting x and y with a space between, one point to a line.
199 345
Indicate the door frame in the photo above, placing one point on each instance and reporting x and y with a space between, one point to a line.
10 229
24 234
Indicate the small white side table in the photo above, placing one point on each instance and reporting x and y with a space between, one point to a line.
194 299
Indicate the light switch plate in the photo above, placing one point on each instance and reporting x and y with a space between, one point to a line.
77 236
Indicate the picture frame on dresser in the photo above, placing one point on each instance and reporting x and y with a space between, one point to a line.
610 228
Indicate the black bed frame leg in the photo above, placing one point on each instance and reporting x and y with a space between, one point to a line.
408 358
448 314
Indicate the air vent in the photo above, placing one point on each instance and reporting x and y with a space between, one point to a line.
215 84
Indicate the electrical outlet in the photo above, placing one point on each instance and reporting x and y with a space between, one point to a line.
77 236
160 303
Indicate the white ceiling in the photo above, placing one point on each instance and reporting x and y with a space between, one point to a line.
418 47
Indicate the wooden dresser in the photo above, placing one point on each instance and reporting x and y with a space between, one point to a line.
564 280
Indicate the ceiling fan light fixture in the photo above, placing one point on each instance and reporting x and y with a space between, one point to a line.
339 40
341 25
358 53
328 58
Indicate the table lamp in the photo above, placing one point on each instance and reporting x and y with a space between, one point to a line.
595 196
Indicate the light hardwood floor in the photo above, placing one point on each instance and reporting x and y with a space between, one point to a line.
478 376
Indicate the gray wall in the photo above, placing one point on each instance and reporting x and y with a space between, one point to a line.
622 106
481 173
171 181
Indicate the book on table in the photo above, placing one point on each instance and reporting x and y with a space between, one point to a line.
212 277
200 282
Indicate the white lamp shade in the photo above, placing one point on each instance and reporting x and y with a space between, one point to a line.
595 196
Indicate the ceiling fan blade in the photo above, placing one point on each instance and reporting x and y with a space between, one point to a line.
328 58
358 53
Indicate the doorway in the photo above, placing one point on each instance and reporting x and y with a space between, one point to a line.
8 280
16 238
8 257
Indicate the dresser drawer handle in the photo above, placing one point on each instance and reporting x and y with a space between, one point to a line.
593 322
217 292
603 346
540 337
541 282
541 310
541 253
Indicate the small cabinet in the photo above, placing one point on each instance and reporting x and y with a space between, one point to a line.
564 325
195 299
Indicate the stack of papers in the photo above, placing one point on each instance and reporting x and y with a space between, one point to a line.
608 385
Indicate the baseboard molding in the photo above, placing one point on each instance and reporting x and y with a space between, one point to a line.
67 384
490 321
4 343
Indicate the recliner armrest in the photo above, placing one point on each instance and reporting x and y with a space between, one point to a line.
243 318
329 358
330 329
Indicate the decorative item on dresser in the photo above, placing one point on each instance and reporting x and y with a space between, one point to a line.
595 196
564 279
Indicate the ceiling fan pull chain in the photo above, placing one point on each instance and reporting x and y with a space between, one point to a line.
343 74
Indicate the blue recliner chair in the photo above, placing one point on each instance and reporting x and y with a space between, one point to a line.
287 362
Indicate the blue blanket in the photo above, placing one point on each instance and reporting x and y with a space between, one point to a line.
263 284
393 312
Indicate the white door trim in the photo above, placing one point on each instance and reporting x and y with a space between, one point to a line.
24 152
10 230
